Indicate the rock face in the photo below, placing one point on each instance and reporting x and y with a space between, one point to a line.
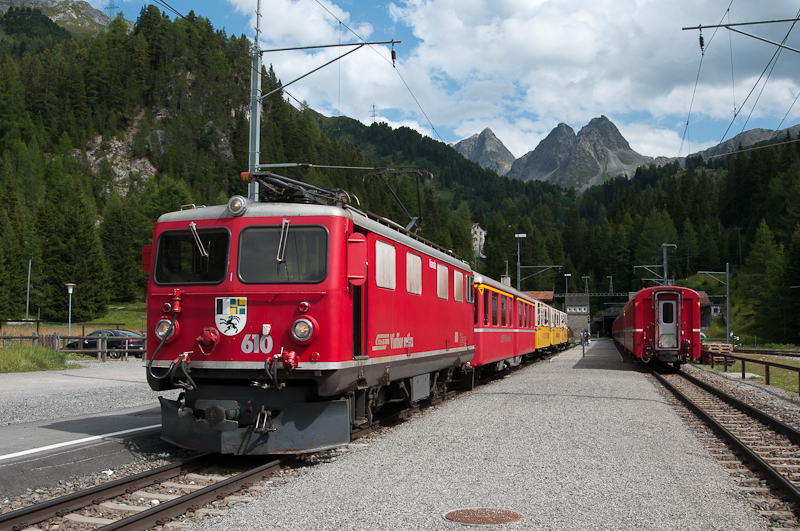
548 158
79 18
597 153
487 150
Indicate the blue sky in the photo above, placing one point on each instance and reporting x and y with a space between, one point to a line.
521 67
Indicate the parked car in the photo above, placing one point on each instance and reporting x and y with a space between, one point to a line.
117 340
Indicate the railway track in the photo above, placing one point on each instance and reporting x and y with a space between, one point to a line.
762 442
156 497
144 500
779 353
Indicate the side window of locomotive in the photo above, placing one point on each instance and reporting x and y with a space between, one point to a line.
486 308
442 287
669 313
179 259
414 273
458 286
495 308
304 260
385 265
470 289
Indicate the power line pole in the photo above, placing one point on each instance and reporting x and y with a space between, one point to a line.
111 9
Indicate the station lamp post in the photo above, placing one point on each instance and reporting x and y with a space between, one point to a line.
70 287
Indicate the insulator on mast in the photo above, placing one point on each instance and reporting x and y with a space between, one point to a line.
702 43
394 56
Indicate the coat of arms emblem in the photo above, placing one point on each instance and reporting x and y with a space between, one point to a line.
231 315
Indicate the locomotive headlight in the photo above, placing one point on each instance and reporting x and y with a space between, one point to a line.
237 205
303 330
163 331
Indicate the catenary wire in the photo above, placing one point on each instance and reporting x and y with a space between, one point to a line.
395 67
774 64
750 93
697 79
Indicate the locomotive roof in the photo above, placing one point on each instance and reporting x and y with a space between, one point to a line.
372 222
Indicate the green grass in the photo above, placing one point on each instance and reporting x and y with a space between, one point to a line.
129 314
19 358
782 378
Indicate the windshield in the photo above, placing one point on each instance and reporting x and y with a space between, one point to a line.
179 259
303 253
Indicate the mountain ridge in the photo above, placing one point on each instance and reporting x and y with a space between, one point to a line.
598 152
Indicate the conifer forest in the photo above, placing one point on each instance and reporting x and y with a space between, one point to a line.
175 95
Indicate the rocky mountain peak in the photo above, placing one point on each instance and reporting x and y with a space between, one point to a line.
487 150
603 130
596 153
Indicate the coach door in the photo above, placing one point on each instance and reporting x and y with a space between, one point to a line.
668 327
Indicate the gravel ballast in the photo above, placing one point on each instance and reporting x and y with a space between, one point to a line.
573 443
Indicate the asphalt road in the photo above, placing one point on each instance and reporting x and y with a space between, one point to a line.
59 425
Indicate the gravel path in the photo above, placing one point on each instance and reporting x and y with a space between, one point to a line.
95 387
576 443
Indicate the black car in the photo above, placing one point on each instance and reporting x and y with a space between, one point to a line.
118 340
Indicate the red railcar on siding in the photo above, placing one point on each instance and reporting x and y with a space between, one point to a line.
661 323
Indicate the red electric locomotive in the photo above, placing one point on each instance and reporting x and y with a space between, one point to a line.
286 323
661 323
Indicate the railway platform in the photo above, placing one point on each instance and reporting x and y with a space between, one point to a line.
577 442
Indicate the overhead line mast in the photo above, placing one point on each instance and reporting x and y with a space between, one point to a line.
730 27
256 96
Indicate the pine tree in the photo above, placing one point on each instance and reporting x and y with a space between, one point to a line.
792 283
763 285
120 248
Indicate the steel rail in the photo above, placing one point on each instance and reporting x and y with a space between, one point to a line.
789 431
779 353
28 516
778 479
164 512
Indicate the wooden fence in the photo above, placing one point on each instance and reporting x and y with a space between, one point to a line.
59 343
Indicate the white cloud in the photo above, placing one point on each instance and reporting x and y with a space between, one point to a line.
523 66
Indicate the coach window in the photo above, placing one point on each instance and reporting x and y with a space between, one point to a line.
442 287
486 308
521 313
503 309
385 266
414 274
669 314
470 288
495 306
458 286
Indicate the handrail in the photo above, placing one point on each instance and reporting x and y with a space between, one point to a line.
766 364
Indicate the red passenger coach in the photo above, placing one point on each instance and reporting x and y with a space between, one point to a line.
505 326
510 325
287 323
661 323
